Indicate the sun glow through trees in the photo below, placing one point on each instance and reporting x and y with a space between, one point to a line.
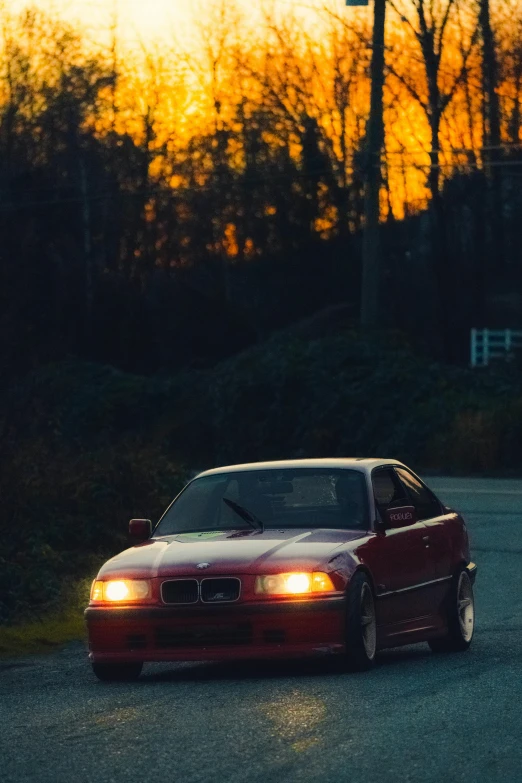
191 70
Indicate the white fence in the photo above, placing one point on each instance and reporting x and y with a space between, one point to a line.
489 344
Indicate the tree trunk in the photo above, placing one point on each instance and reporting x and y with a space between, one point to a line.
87 257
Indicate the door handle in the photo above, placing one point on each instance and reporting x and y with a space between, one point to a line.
426 540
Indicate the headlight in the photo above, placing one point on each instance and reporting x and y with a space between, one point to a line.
294 584
121 590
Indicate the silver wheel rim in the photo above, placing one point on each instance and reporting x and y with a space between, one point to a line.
465 607
368 624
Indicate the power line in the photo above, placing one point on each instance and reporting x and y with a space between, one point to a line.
459 150
462 165
179 192
508 146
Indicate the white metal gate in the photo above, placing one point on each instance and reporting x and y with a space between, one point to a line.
487 344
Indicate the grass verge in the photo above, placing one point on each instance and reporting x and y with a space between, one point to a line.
43 636
50 631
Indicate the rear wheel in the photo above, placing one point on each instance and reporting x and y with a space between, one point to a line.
117 672
460 616
361 625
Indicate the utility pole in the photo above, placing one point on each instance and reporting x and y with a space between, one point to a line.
370 286
492 134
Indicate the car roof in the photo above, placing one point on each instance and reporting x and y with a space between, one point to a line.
362 464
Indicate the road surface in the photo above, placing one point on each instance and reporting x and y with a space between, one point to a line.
416 717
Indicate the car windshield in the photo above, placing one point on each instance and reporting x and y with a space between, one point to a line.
278 498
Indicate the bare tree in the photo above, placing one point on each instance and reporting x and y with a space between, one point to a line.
431 71
508 24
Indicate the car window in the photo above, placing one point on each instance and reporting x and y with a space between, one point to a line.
388 490
423 499
197 508
313 491
299 498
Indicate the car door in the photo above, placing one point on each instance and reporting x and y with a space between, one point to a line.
438 544
399 557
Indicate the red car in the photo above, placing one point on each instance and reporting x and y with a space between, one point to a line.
281 559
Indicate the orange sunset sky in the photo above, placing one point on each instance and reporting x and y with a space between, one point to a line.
141 22
148 19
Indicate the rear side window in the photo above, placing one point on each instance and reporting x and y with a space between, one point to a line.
425 502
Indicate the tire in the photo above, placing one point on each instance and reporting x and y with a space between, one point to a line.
460 616
361 625
117 672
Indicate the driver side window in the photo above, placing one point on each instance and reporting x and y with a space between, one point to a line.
424 501
388 490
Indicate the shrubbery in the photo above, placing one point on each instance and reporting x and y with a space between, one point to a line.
343 396
64 512
75 466
86 447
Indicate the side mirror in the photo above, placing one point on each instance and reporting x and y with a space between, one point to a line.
400 517
140 530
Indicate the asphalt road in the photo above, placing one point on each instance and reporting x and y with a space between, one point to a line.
416 717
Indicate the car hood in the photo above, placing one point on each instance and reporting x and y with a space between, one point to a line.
231 552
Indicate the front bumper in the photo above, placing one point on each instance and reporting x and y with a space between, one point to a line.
272 629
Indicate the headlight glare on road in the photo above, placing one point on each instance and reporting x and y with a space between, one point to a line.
121 590
293 584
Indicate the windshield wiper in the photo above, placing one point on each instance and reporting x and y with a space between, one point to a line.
245 514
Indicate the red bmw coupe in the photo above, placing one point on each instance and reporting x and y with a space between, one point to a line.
281 559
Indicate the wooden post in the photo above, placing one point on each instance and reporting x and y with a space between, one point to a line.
485 347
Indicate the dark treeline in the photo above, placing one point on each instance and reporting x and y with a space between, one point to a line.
129 239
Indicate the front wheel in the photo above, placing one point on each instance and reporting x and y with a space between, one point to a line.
460 616
117 672
361 624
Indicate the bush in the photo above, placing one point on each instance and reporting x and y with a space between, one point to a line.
69 485
349 396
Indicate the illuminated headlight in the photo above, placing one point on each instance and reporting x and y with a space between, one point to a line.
294 584
121 590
